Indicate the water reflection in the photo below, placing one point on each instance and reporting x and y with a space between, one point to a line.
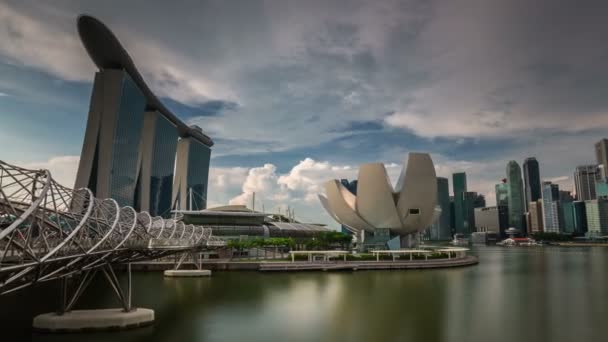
517 294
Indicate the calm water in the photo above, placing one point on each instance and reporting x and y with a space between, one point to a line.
516 295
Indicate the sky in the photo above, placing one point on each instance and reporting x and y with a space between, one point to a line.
295 93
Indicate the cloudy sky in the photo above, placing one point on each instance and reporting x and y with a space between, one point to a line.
298 92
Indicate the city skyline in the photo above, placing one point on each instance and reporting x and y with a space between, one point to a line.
334 123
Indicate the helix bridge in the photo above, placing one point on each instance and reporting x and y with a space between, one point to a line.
50 232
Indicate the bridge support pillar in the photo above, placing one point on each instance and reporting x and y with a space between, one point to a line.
67 320
195 259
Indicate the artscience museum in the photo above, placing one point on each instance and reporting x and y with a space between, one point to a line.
383 216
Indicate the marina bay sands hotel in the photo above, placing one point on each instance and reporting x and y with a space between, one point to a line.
135 149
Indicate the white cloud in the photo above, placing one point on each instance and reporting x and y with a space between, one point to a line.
63 168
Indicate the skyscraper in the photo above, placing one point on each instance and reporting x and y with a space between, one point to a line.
441 230
551 208
502 193
585 177
130 144
469 211
516 197
191 175
158 147
580 217
601 155
110 152
459 185
531 180
536 217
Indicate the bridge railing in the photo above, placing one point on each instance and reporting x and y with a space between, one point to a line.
48 231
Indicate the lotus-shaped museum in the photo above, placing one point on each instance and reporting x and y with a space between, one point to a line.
377 207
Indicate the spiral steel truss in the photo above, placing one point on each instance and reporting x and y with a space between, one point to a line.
48 231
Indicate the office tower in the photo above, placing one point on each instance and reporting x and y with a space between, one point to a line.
597 216
580 217
535 211
479 201
158 148
110 153
469 211
459 185
567 212
551 208
531 180
492 219
601 189
440 229
191 175
585 177
452 216
502 193
515 197
601 155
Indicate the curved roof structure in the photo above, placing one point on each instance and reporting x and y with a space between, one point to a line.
409 208
107 53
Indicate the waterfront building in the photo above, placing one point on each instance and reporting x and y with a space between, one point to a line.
131 138
110 153
531 181
492 219
567 212
238 222
585 177
535 214
158 149
459 187
452 216
551 208
352 187
393 217
601 155
597 217
191 175
441 229
515 197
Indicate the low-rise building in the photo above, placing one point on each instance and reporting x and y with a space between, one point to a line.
492 219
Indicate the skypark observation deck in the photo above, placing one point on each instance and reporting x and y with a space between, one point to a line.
107 53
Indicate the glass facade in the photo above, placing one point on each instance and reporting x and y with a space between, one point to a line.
441 229
502 194
551 208
125 149
163 164
580 217
459 183
198 173
515 197
531 181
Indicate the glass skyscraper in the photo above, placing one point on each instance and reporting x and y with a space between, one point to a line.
192 173
601 154
551 208
585 177
515 197
502 194
130 145
459 184
531 181
159 144
441 229
110 153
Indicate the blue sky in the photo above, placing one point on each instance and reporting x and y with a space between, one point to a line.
298 92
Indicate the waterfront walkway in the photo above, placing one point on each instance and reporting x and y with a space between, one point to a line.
288 266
